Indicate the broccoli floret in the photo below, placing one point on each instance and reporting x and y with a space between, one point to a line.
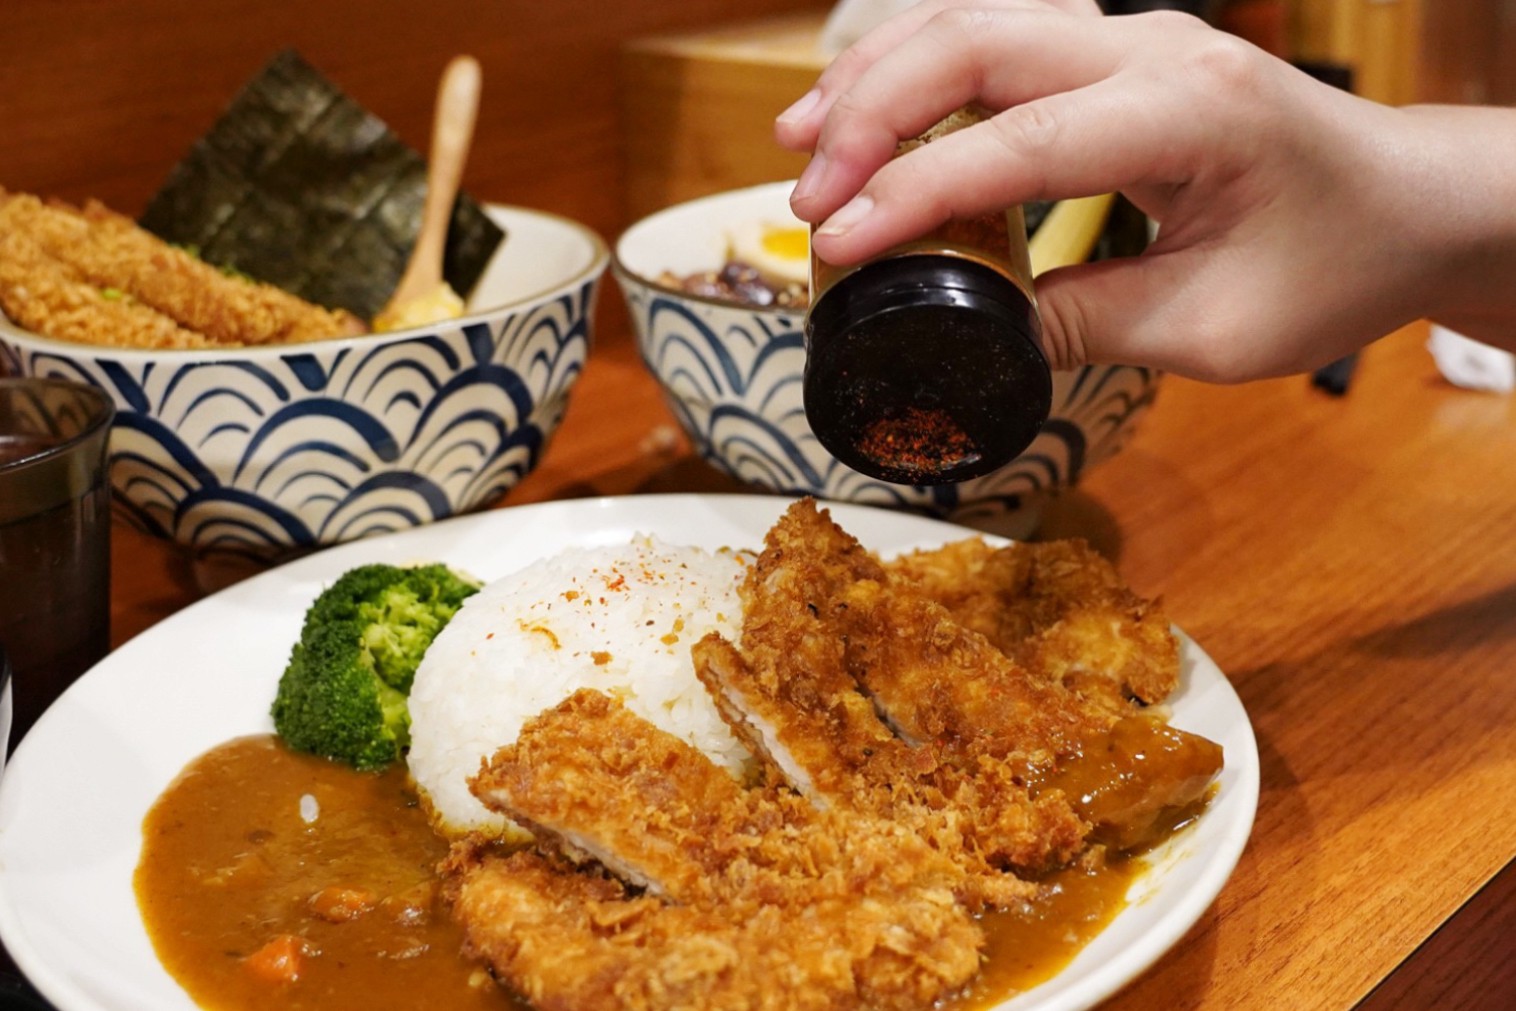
344 692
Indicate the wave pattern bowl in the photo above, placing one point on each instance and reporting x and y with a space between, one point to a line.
266 451
732 375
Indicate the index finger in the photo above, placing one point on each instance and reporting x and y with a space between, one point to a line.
1099 139
1000 58
798 126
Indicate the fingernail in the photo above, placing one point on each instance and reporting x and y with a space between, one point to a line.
852 212
810 180
801 108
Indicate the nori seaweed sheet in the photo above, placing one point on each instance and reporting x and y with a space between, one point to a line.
300 186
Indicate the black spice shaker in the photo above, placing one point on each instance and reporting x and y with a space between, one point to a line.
923 365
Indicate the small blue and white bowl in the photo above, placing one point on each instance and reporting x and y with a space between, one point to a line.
732 375
267 451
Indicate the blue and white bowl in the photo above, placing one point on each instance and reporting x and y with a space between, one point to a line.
266 451
732 375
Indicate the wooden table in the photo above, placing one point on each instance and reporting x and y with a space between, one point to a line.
1350 563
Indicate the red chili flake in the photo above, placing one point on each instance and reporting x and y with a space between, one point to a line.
917 439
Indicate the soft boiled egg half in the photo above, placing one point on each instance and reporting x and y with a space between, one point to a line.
780 251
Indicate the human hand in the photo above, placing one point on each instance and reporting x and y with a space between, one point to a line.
1297 222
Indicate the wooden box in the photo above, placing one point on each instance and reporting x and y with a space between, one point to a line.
698 109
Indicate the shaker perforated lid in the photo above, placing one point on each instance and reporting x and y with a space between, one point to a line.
925 370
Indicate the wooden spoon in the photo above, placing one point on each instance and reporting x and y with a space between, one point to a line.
422 296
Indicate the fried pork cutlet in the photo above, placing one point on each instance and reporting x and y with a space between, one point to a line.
596 780
989 724
938 681
985 821
42 295
789 694
109 251
795 907
1057 608
575 940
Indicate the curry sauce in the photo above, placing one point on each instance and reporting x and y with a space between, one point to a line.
272 879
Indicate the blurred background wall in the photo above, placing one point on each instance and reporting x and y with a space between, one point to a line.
1461 51
101 97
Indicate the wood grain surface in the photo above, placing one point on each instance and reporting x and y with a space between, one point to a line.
698 107
1467 964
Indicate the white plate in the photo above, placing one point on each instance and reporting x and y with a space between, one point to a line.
73 799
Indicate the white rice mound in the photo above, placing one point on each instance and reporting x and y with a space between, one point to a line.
619 619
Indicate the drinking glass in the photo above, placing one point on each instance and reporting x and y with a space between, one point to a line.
54 538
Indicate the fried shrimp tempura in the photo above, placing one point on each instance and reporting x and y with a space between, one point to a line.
858 911
99 247
42 295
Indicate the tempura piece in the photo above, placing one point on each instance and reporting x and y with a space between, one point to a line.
42 295
111 252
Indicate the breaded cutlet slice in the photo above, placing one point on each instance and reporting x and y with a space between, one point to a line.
1058 608
941 682
859 908
938 682
576 940
984 821
787 691
1049 766
593 779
